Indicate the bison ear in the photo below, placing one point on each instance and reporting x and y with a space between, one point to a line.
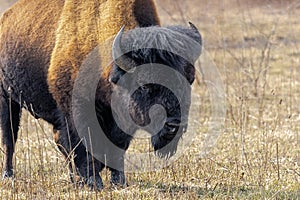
189 73
116 74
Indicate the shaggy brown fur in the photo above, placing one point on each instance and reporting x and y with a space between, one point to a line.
27 38
42 46
41 32
83 25
32 31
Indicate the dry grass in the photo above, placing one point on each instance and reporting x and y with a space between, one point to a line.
256 47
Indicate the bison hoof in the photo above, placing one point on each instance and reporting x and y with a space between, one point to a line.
118 179
7 174
95 183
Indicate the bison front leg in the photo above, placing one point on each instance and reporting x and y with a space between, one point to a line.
117 175
88 167
83 168
115 163
10 119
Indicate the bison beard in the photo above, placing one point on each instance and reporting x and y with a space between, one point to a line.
41 54
175 124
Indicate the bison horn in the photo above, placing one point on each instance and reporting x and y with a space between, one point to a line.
119 57
193 27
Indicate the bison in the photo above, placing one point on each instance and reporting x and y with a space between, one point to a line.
43 45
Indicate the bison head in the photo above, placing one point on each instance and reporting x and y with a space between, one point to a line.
145 55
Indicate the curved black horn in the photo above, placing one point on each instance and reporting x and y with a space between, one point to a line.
118 54
116 47
193 27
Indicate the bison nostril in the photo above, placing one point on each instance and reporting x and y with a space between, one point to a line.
170 124
173 130
172 127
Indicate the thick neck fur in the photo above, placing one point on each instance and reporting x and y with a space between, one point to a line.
82 26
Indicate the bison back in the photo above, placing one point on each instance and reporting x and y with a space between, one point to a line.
27 38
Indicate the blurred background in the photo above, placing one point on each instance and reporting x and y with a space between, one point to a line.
4 4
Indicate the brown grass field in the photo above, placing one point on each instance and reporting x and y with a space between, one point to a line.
256 48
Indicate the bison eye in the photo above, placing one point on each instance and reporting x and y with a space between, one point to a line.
145 88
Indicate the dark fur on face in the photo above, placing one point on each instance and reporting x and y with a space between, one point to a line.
148 95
